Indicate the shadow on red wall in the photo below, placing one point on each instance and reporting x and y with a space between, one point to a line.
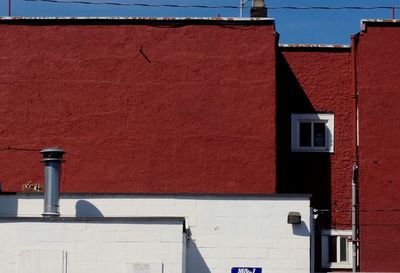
300 172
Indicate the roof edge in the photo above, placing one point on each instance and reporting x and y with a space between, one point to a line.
315 47
137 20
375 22
165 195
94 219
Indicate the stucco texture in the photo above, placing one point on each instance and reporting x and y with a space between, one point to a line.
318 81
140 108
379 89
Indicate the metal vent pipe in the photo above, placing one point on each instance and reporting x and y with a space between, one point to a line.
52 159
258 9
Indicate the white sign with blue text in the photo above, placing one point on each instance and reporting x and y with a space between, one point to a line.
246 270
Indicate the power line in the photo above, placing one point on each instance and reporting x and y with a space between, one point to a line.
135 4
334 8
379 210
370 225
209 7
369 210
373 210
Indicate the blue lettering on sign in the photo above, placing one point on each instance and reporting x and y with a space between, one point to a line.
246 270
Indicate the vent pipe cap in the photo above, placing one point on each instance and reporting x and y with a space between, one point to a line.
52 153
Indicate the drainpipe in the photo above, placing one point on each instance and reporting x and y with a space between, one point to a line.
52 159
354 222
354 182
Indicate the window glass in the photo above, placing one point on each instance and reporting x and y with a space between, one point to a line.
305 134
343 249
319 134
312 133
332 249
336 249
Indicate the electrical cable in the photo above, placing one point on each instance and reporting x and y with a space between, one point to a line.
334 8
379 210
134 4
208 7
370 225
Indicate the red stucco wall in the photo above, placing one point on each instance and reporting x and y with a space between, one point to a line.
319 80
198 115
379 91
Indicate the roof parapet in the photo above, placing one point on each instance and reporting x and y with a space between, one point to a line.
371 22
315 47
137 20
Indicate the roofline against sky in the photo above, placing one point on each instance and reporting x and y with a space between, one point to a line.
53 20
315 47
378 22
120 19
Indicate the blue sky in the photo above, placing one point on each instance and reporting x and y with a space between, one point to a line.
294 26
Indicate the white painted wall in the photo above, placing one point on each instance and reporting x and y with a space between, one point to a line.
227 231
36 247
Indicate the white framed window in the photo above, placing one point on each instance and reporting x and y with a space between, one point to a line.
336 249
312 133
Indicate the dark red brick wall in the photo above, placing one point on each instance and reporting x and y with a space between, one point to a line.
316 80
195 114
379 91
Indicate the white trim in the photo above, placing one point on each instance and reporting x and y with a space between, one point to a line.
328 119
133 18
325 249
339 46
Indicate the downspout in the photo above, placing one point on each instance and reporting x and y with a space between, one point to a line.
354 182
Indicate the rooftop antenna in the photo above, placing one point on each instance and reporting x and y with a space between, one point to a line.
242 5
393 10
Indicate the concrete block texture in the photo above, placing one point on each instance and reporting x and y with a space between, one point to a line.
224 231
55 248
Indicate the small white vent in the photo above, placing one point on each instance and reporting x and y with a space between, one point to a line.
144 268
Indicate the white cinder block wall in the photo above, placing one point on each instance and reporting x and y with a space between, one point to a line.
82 247
227 231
